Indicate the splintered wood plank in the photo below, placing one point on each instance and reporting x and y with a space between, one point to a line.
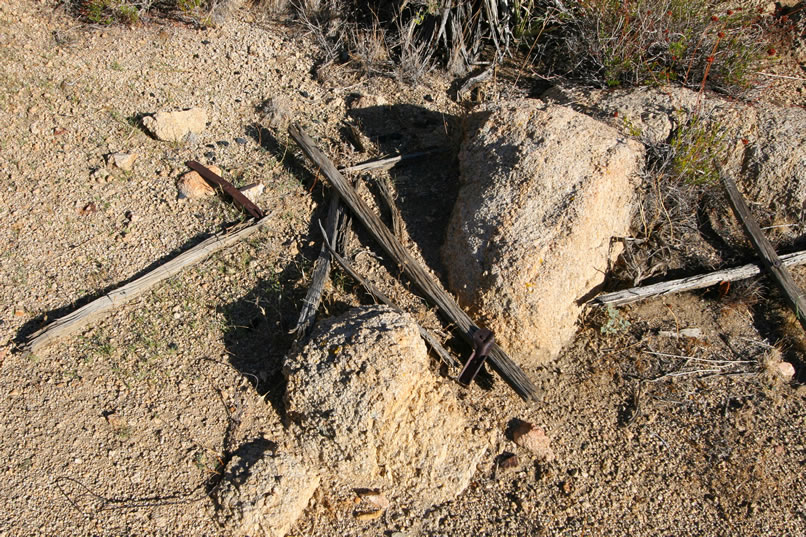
627 296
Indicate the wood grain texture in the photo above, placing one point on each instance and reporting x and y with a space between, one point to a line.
769 258
500 361
101 307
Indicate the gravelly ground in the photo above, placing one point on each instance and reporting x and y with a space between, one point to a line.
117 431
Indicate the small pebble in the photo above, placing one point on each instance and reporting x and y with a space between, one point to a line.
240 141
534 439
786 370
222 143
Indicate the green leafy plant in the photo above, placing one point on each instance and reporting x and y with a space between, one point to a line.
614 323
697 147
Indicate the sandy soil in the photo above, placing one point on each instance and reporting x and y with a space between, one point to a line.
122 429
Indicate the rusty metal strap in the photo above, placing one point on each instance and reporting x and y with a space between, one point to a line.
226 186
483 340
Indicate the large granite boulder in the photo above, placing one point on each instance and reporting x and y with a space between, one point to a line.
544 189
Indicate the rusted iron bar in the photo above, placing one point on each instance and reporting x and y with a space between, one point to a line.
227 187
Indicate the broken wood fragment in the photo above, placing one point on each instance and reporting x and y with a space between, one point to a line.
627 296
501 362
769 258
386 163
101 307
426 334
321 273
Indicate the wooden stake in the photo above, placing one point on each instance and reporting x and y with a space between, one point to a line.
500 361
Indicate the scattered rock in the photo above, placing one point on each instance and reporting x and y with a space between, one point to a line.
544 188
786 370
223 9
534 439
174 126
694 333
89 208
191 185
264 493
252 191
370 515
100 175
124 161
373 496
240 141
366 403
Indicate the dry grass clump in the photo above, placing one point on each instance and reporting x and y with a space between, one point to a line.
598 42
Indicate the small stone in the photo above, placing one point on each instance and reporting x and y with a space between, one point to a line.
277 112
240 141
124 161
508 461
210 155
786 370
174 126
375 497
99 175
252 191
191 185
222 143
372 515
534 439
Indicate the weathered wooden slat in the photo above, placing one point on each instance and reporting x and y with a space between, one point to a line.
426 334
626 296
499 360
397 219
321 273
769 258
101 307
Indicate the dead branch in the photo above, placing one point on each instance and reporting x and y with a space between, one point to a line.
501 362
385 163
321 273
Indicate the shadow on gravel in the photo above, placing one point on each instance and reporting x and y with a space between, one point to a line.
250 453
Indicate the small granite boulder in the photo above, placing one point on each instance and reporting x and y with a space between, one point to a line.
375 415
174 126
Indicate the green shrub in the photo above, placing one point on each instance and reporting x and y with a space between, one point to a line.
697 147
